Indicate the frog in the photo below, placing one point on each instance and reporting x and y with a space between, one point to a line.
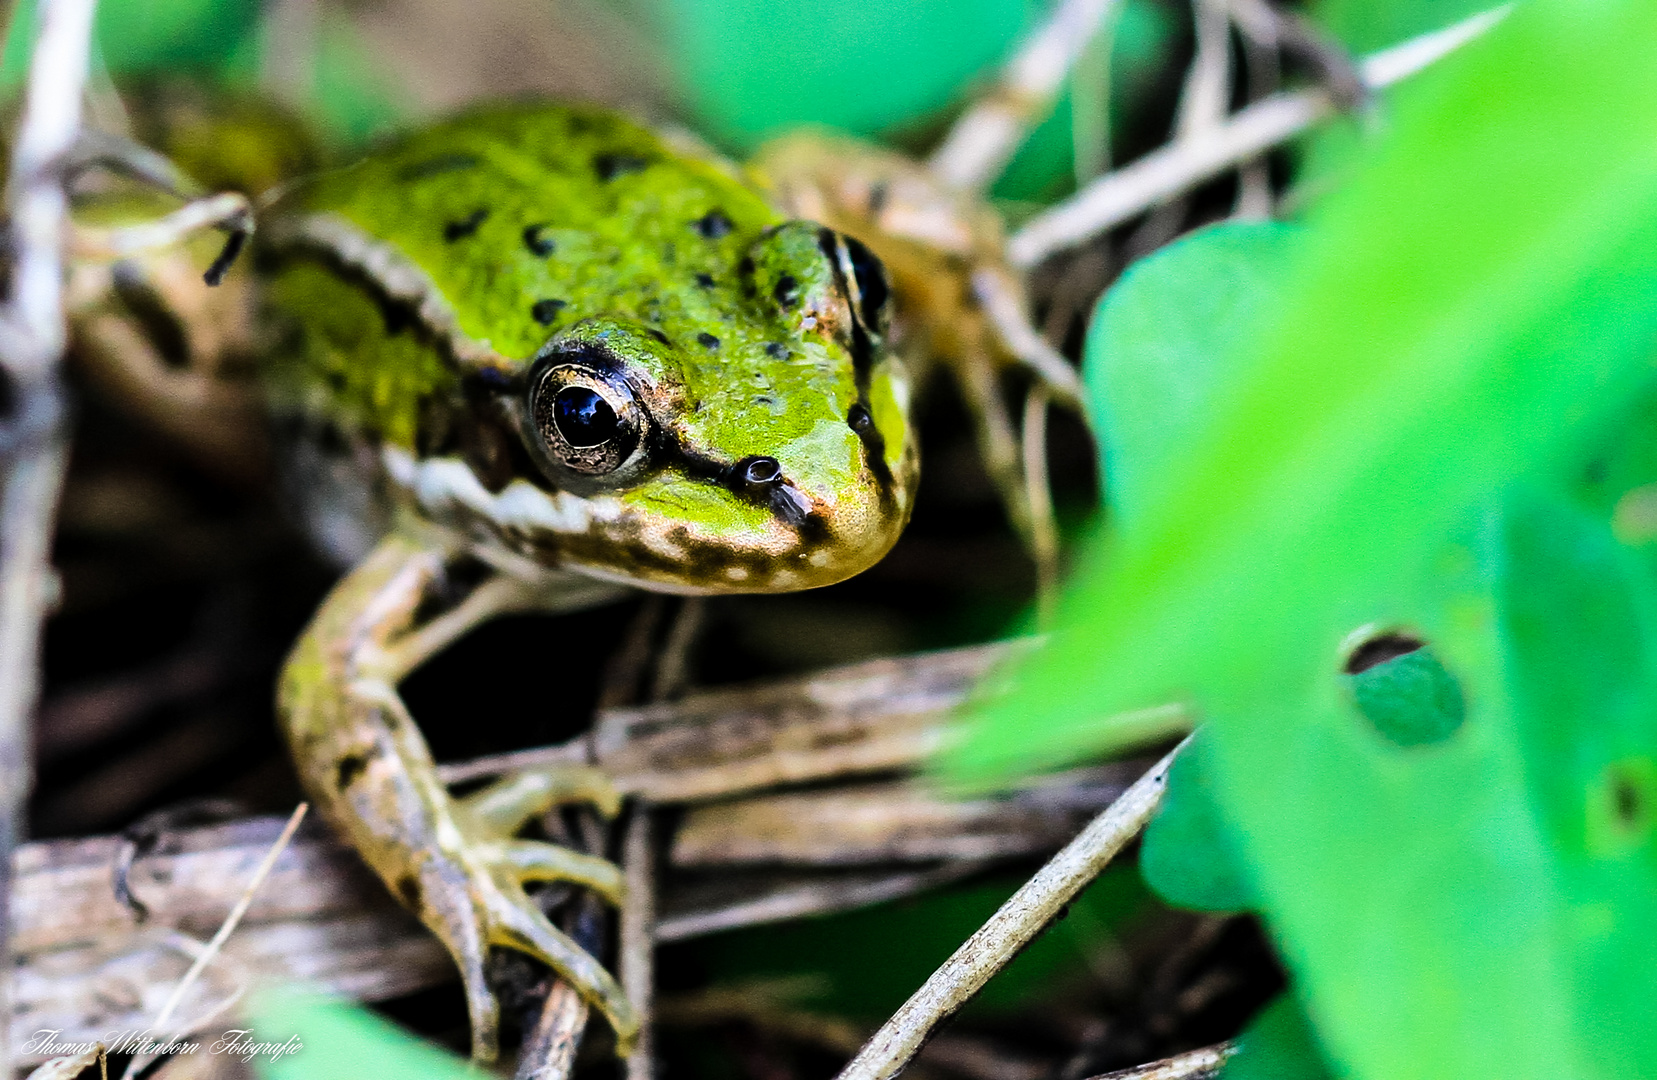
526 359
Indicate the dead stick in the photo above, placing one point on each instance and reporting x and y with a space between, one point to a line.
1012 927
638 935
1201 1064
32 333
549 1052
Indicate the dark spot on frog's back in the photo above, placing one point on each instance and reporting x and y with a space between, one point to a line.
538 242
707 340
408 891
713 225
659 336
704 281
776 350
436 166
348 769
787 291
611 165
546 311
466 226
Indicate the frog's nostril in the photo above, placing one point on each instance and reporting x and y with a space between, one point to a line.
762 470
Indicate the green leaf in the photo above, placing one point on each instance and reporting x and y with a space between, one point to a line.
340 1041
136 37
1480 295
1280 1044
756 69
1188 856
1578 623
1161 341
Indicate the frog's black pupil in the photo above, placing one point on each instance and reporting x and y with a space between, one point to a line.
871 281
583 417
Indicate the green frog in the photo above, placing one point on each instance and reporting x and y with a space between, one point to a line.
519 361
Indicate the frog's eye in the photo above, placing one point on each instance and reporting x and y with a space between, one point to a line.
588 420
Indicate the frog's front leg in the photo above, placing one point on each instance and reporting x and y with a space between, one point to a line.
453 862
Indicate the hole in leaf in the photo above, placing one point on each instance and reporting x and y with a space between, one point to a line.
1402 689
1378 650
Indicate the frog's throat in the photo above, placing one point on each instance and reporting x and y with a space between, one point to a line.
395 276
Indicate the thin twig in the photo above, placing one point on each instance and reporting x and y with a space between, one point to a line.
1161 174
1017 922
672 672
231 920
1038 493
638 936
549 1052
1201 1064
32 335
226 209
984 139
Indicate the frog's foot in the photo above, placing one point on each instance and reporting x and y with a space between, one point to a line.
486 904
454 862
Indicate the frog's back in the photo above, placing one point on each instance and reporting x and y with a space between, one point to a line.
518 212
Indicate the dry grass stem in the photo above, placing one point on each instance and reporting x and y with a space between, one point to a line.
232 920
1204 1064
228 209
984 139
1012 927
549 1051
32 335
638 935
1179 166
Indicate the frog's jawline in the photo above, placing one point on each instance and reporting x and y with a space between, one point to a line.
443 485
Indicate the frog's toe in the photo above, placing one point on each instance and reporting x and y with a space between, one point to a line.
500 809
517 923
532 860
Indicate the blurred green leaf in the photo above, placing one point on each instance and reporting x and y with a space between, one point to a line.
342 1041
1160 340
1578 622
1462 313
1279 1044
137 37
755 68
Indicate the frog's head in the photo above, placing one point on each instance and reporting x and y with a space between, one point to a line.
754 439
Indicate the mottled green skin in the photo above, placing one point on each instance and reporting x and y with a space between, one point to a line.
632 258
